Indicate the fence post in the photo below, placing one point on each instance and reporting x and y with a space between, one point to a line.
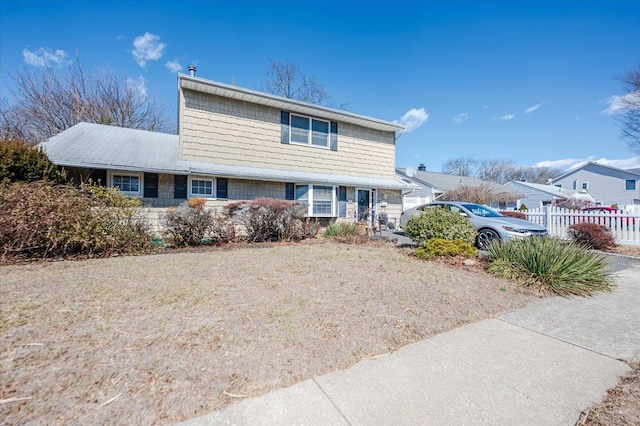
547 218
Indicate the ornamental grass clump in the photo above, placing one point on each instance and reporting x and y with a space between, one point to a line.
440 223
342 229
344 232
563 267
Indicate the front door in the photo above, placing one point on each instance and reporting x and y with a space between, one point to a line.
364 205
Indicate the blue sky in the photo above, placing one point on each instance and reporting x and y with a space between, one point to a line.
529 81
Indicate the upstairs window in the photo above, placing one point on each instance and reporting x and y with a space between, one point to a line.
300 130
630 184
309 131
585 185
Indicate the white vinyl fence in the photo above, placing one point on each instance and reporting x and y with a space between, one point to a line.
624 226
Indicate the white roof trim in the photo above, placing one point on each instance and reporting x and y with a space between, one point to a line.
252 96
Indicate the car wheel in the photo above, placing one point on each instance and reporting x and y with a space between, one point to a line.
485 238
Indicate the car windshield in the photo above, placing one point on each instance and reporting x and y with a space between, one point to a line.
481 211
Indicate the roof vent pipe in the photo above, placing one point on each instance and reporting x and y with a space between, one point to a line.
192 70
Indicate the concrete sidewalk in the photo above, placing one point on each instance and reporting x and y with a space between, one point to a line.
540 365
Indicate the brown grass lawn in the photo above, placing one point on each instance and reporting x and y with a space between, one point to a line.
163 338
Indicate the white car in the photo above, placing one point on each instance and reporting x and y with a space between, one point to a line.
490 224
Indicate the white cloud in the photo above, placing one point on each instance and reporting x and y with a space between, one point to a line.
532 108
618 103
413 119
570 163
173 66
622 163
44 57
506 117
461 117
485 106
139 84
147 48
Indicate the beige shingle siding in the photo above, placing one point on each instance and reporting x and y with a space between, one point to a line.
231 132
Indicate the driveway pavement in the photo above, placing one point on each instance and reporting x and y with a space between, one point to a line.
539 365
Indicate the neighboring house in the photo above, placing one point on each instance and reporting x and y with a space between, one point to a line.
239 144
432 185
608 185
536 195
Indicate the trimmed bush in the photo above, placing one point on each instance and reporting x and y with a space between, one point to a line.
190 224
440 247
269 219
523 208
440 223
41 220
592 235
511 213
565 268
22 163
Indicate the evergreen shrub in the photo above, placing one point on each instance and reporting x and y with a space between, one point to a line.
440 223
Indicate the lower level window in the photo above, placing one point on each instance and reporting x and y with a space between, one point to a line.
319 199
322 200
128 184
201 187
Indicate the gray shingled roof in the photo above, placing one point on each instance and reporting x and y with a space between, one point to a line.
116 148
548 189
110 147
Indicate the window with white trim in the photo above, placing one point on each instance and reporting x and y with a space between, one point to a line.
128 183
320 199
201 187
301 130
309 131
630 184
585 185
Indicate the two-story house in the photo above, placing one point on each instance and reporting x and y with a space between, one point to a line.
608 185
240 144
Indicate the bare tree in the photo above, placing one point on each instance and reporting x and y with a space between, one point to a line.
498 170
483 194
46 101
462 166
284 78
627 113
495 169
532 174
